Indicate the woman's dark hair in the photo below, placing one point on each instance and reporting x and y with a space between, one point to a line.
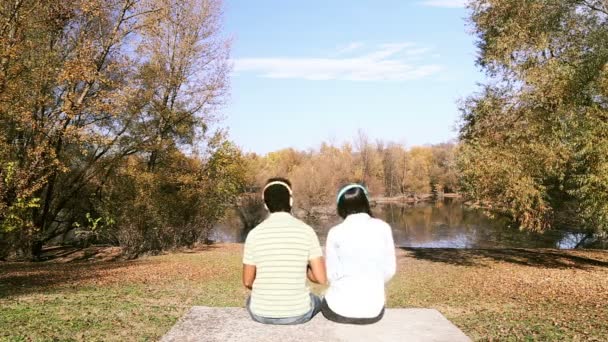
277 197
353 201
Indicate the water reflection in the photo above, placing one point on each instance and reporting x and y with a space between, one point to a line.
442 224
450 224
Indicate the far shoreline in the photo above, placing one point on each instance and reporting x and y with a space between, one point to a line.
413 198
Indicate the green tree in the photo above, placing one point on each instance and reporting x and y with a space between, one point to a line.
534 139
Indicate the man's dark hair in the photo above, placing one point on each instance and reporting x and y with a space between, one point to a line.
353 201
277 197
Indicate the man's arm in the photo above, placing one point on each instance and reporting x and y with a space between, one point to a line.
316 262
316 271
310 275
249 272
249 269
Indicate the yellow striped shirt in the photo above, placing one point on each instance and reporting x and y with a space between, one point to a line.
280 248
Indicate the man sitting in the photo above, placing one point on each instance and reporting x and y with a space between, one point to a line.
279 253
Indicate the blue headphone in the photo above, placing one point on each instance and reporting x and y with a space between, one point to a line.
350 187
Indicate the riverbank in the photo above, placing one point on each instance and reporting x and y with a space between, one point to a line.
325 212
501 294
413 198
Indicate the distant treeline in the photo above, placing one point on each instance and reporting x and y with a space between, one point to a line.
387 169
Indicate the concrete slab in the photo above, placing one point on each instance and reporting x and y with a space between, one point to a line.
234 324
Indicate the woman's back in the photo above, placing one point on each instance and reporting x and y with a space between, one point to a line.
360 258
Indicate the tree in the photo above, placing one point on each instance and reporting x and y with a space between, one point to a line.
418 180
176 205
391 155
317 179
184 72
87 86
63 92
443 172
534 139
368 165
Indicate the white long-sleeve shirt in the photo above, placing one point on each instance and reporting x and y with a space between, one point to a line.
360 255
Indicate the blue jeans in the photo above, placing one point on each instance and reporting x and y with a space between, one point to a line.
315 307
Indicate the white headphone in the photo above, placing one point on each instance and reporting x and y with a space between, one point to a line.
278 183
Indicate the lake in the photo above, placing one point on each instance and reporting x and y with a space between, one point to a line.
442 224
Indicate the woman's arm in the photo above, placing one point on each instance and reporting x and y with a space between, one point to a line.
390 260
331 257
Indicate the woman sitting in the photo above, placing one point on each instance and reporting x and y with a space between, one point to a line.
360 256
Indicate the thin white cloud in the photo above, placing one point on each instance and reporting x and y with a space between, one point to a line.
388 50
388 62
349 48
445 3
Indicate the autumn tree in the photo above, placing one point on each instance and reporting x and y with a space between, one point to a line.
443 172
178 204
367 163
390 168
184 73
87 86
317 179
418 179
64 95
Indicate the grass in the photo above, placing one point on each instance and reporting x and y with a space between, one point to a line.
490 294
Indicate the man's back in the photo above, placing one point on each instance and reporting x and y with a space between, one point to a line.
280 249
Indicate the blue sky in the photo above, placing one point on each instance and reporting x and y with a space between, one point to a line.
313 71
